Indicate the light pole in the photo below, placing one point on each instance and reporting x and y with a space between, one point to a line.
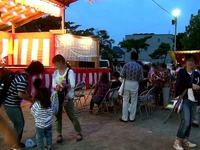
175 13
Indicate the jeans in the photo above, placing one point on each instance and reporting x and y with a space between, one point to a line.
95 100
41 134
187 112
197 115
69 109
130 93
16 116
166 92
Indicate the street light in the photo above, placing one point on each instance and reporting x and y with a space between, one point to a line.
175 13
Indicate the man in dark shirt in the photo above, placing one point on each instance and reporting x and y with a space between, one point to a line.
16 93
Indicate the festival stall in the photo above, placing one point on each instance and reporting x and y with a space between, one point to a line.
178 56
19 49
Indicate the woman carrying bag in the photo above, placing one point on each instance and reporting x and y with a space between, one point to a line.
64 82
187 79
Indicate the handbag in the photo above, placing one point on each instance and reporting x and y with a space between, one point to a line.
178 104
54 102
121 89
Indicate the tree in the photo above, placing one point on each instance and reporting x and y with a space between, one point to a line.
88 32
71 27
180 41
44 24
161 52
105 45
192 38
135 44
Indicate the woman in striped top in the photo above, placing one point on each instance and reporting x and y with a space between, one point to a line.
43 114
16 93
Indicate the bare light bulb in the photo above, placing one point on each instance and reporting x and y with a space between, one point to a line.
14 13
9 23
23 16
4 9
12 3
32 10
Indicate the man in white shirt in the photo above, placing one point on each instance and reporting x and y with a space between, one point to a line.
64 83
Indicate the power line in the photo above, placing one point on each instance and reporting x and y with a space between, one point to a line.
161 7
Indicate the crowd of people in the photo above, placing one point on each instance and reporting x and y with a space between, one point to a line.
133 79
42 107
137 77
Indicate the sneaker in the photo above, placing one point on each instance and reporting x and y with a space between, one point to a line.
189 144
178 146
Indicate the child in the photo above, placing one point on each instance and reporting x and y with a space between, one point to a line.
36 85
43 114
115 83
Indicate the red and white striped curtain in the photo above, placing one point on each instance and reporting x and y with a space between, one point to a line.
6 47
22 48
33 46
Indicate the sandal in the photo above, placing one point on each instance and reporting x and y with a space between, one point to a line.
79 137
59 139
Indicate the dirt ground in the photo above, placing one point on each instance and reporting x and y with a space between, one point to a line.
102 132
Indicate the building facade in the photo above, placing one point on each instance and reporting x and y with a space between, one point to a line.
154 42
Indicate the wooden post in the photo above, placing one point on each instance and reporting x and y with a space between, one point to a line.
13 28
98 53
63 19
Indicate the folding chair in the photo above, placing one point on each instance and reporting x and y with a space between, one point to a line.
145 99
142 102
151 99
111 96
89 94
79 93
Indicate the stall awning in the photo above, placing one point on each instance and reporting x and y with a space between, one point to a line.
178 56
20 12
